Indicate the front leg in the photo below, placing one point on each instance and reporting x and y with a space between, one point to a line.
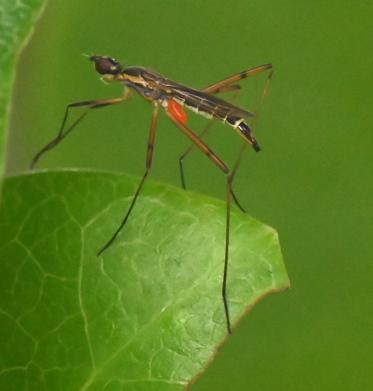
62 133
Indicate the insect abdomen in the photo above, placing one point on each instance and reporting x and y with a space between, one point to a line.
244 130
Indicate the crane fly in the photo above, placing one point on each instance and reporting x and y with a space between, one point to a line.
173 97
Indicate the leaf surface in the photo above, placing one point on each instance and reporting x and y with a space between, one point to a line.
147 314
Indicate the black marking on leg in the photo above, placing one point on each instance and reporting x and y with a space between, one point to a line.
243 74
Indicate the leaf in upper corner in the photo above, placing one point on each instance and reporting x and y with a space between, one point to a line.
16 22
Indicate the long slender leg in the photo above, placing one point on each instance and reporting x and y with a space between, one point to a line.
230 195
62 133
244 145
187 152
226 84
149 157
226 254
264 94
234 171
213 88
223 167
200 144
226 88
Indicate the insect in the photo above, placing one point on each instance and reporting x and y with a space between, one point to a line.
173 97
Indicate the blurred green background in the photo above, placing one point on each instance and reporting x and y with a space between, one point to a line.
312 181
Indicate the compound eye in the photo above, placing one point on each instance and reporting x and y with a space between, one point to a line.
105 65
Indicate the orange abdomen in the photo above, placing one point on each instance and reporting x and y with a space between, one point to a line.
177 111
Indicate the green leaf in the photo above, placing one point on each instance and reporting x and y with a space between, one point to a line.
147 315
16 21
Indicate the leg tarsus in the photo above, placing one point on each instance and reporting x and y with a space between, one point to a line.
54 142
122 224
226 255
181 169
237 202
